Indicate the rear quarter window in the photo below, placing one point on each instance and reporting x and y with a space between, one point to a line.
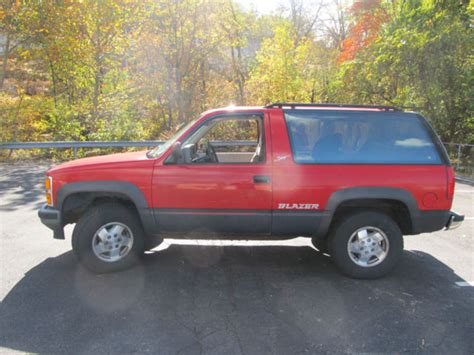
360 137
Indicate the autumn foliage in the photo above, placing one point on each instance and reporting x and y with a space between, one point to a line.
135 69
369 16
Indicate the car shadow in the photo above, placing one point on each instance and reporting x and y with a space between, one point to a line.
251 300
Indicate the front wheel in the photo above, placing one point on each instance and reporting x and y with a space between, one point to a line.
107 238
366 245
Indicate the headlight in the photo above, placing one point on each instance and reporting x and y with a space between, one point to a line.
48 185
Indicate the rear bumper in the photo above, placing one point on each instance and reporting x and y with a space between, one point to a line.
51 218
455 220
432 221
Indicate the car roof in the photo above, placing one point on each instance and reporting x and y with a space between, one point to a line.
313 106
305 106
332 106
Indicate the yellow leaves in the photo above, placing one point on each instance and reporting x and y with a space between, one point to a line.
22 116
283 71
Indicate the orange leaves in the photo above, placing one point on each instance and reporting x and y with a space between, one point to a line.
369 17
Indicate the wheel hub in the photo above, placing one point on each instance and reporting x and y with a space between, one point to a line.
112 242
368 246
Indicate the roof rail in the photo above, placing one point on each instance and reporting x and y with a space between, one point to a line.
294 105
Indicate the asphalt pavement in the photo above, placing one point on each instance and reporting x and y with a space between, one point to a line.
195 297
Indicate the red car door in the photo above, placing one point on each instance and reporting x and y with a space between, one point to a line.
224 197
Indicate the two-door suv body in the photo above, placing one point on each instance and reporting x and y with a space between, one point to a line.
353 178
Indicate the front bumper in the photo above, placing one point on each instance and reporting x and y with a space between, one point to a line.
455 220
51 218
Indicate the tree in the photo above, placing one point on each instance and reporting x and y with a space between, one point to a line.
12 19
423 60
369 16
237 27
172 64
291 69
336 24
305 17
134 69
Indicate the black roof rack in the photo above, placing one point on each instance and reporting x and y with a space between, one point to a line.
295 105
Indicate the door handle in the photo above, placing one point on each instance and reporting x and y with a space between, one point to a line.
261 179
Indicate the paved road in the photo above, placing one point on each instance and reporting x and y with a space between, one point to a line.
243 298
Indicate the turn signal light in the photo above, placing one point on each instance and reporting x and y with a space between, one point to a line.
48 185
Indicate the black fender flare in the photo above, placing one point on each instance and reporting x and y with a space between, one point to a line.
367 193
119 188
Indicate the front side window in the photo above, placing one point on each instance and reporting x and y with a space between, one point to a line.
226 140
156 152
359 137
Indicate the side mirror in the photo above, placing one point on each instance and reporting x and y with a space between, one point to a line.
176 153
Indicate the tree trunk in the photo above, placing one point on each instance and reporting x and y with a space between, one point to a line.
6 51
95 99
179 94
241 76
54 80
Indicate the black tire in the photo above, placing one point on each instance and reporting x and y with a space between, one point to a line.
321 244
339 239
92 221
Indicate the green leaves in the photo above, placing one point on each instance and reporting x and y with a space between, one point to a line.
291 70
423 59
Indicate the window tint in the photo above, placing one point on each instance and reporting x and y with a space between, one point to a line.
323 136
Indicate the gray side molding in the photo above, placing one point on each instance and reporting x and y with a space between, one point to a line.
369 192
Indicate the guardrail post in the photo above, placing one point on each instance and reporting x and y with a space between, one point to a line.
74 152
458 159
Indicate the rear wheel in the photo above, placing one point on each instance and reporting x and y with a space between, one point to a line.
109 237
366 245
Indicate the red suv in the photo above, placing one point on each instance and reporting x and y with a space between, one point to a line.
353 178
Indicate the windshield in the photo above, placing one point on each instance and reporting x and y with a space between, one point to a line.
154 153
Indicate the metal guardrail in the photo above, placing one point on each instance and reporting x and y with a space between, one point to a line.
462 158
75 145
458 147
